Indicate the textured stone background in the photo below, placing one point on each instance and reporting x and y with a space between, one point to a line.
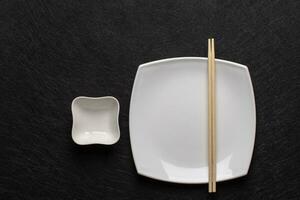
53 51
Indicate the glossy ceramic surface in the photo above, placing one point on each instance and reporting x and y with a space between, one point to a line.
168 120
95 120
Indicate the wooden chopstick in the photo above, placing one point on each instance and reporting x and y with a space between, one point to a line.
211 117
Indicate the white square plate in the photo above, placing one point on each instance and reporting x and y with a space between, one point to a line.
168 120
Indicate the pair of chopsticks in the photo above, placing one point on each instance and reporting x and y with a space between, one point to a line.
211 117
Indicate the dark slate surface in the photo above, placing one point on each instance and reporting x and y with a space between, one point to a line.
53 51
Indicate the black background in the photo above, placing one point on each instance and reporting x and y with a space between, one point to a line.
53 51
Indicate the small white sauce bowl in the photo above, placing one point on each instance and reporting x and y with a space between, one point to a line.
95 120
